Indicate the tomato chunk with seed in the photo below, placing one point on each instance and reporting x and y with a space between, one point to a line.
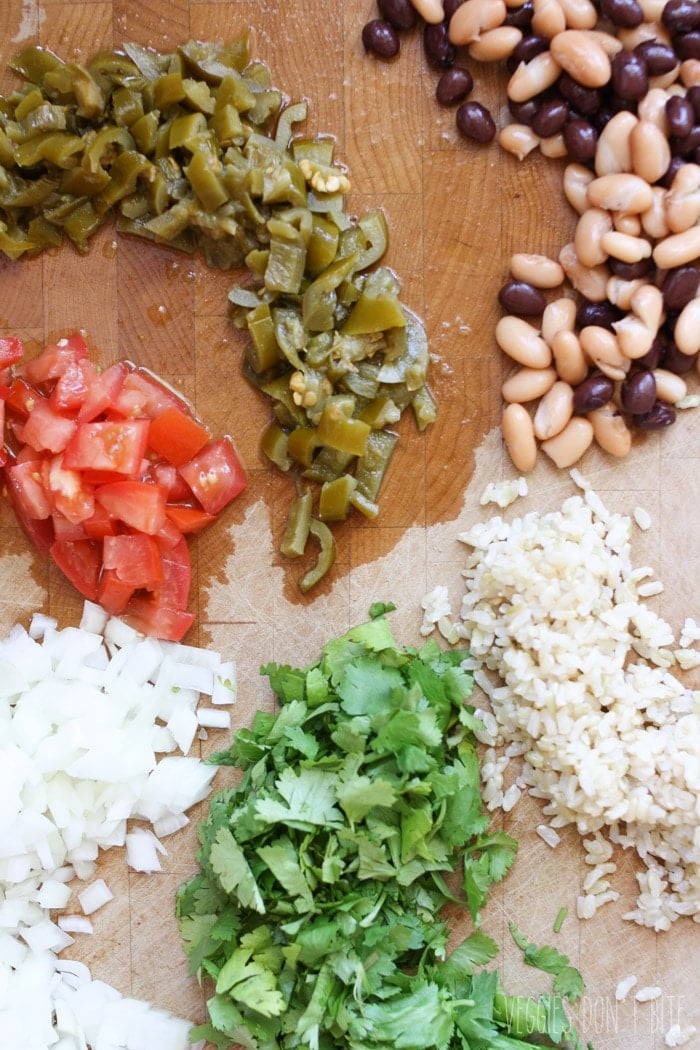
215 475
102 391
11 351
108 445
55 358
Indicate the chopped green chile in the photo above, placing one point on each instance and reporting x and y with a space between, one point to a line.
196 148
298 526
326 556
334 498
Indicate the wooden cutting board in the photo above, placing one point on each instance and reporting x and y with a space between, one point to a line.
456 212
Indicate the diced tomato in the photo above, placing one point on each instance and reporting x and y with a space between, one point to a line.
72 496
177 576
112 593
24 480
100 524
79 561
144 395
117 446
11 351
72 385
188 519
177 437
21 397
168 536
135 558
138 504
215 475
149 617
3 453
102 392
39 531
169 477
63 529
54 358
47 430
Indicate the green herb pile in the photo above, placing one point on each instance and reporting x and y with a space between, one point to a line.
317 912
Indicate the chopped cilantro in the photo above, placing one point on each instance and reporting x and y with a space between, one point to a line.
316 916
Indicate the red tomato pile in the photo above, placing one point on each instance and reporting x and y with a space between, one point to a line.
107 472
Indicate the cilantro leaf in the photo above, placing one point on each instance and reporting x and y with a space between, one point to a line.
308 798
228 861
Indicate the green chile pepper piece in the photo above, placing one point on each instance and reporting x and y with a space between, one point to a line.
274 444
302 443
340 432
372 466
424 407
326 555
334 498
262 352
296 531
318 302
323 244
34 63
56 147
204 179
374 314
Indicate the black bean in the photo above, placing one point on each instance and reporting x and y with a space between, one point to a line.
550 118
594 392
671 171
680 115
685 147
693 96
521 17
688 45
674 361
580 139
475 121
584 100
659 57
523 112
679 286
652 358
454 85
379 37
401 14
661 415
624 13
520 297
638 392
439 49
629 76
529 46
681 15
604 314
630 271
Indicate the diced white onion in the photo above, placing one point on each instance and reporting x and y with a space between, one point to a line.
90 717
95 896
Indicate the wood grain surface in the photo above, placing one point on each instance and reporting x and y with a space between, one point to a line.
456 212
